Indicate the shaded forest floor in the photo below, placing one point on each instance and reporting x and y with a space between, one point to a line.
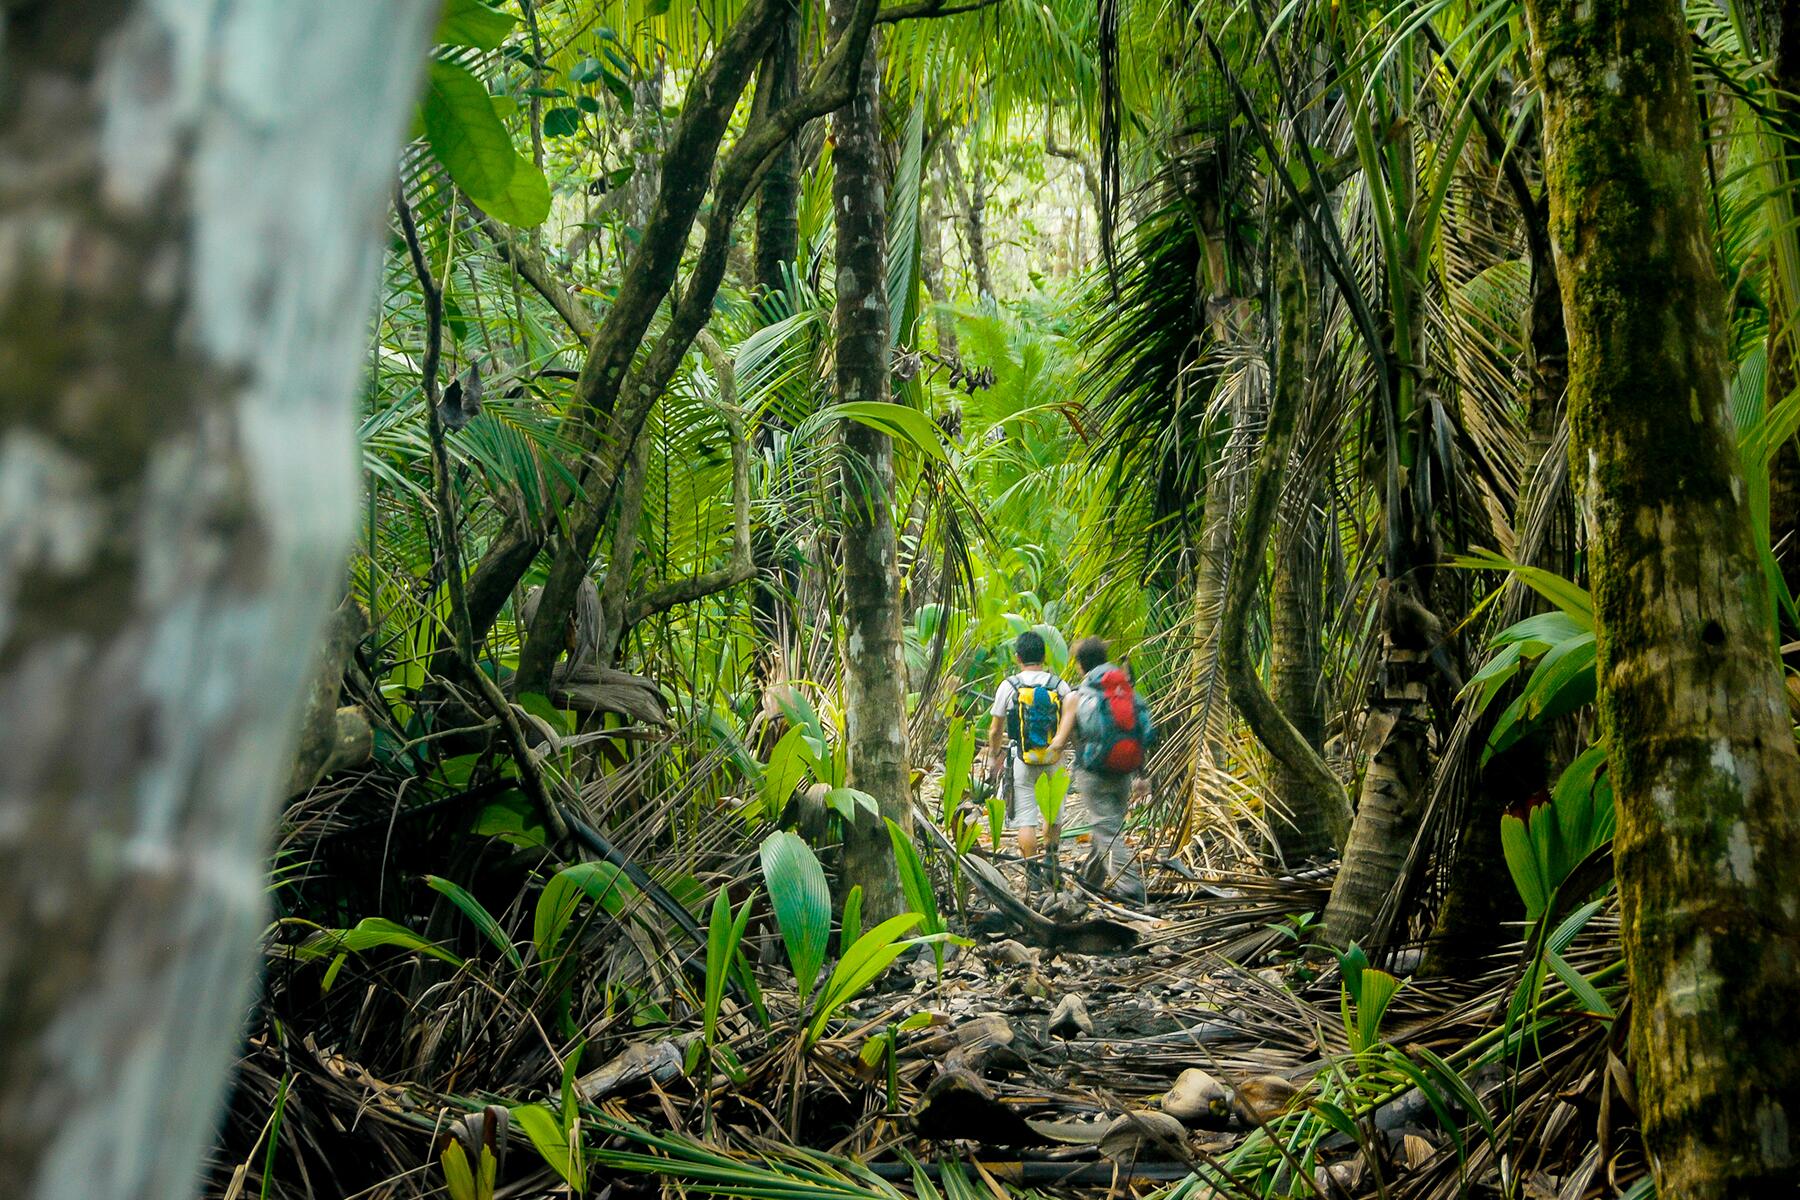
1211 1048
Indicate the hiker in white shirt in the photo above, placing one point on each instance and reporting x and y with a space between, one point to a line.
1018 735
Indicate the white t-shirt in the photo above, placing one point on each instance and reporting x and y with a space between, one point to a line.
1009 690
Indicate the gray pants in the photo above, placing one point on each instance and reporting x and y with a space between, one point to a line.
1110 864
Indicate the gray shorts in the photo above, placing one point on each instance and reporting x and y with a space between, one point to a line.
1022 809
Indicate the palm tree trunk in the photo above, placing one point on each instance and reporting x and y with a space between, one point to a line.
1691 700
1294 667
874 669
181 304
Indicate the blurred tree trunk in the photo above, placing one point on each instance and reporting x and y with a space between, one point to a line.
1691 701
874 669
189 230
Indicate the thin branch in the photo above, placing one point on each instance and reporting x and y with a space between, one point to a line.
535 271
932 8
445 499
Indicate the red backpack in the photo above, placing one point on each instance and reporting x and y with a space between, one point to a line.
1115 725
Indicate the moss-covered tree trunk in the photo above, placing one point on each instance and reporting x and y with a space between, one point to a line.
189 228
874 668
1703 760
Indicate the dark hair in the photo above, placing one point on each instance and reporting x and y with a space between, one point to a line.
1090 652
1030 648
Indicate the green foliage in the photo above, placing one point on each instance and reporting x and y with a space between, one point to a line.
473 23
367 934
802 902
1561 643
1544 850
915 881
556 1141
603 883
872 954
1363 999
959 762
478 913
1052 790
462 1182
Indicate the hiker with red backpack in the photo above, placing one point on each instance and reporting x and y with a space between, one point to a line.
1111 727
1027 712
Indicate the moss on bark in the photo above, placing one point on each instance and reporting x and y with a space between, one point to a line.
1707 779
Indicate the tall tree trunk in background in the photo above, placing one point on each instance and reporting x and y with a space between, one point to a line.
1691 702
973 203
778 195
874 669
777 244
931 267
191 221
1295 625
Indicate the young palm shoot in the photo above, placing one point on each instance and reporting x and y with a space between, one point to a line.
1052 790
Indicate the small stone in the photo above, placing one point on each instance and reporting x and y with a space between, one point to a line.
1009 953
1144 1134
1070 1018
1197 1097
1262 1098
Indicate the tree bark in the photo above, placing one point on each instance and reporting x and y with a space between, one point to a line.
1691 702
189 226
778 196
874 668
777 246
1294 667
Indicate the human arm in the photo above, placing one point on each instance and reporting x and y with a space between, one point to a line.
996 741
1065 730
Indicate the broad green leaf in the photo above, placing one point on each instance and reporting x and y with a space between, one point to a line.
786 771
465 134
872 954
602 882
472 23
845 801
562 122
525 202
851 927
1569 597
1522 862
546 1133
478 913
1585 993
459 1180
904 424
915 880
802 902
367 934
